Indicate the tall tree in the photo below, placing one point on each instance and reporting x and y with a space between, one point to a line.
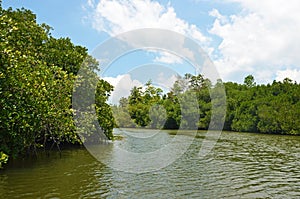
37 74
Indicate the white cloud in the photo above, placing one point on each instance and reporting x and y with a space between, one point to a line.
119 16
288 73
168 58
124 83
264 36
215 13
91 3
166 82
122 86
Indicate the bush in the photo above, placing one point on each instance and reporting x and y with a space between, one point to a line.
3 159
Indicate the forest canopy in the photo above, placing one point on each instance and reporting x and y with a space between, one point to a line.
272 108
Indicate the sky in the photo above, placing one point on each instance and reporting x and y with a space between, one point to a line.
241 37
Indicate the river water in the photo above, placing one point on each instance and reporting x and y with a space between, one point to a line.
241 165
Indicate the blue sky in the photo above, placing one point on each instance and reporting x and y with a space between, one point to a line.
65 17
241 37
69 17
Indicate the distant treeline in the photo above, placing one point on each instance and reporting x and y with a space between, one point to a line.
37 77
272 108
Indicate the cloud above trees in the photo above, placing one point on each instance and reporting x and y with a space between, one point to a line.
260 38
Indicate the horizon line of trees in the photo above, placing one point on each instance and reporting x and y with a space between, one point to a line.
272 108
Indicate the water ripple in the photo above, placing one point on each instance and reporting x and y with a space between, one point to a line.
240 166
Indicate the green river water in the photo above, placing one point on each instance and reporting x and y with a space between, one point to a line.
241 165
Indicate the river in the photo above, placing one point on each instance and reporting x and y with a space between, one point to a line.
241 165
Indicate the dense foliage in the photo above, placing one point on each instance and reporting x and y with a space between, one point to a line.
271 108
37 74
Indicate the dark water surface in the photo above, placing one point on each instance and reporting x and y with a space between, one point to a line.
242 165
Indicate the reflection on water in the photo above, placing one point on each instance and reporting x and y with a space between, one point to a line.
242 165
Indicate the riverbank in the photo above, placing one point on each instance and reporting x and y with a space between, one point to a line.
188 131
